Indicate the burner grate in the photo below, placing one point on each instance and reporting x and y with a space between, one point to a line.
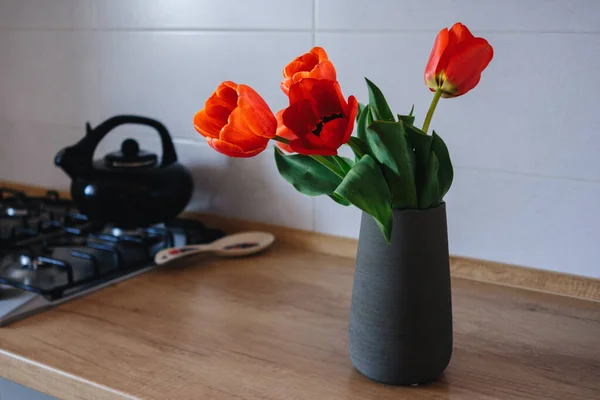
48 247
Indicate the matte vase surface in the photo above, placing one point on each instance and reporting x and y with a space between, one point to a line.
400 329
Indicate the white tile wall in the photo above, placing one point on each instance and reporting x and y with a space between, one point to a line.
524 142
27 151
525 220
48 76
169 75
205 14
479 15
40 14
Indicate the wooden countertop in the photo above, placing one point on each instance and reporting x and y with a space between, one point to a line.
274 326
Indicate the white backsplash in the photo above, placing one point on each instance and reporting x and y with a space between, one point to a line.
524 142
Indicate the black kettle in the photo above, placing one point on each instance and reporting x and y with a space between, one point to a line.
131 187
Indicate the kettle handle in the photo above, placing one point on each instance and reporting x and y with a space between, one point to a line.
88 144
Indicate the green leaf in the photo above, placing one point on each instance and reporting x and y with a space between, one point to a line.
364 119
308 176
361 107
421 143
365 187
387 141
412 109
359 147
339 199
428 184
378 103
407 120
446 172
344 163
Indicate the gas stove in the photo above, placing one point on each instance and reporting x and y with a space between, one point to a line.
50 253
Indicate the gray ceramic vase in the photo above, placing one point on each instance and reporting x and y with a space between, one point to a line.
400 329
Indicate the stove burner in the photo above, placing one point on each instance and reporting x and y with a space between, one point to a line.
48 247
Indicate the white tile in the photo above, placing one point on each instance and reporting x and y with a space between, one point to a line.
28 150
479 15
250 189
533 112
537 222
332 218
48 77
169 75
205 14
43 14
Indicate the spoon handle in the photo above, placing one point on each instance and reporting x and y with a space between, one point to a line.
173 253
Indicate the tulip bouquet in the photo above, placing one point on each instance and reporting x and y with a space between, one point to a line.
396 164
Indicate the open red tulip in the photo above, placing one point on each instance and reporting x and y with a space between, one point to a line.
236 121
318 118
314 64
457 61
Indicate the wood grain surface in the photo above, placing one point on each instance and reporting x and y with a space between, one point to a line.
274 326
463 267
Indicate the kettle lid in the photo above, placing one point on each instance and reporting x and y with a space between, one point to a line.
130 156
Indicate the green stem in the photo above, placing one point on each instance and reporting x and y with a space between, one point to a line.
355 148
281 139
434 102
329 165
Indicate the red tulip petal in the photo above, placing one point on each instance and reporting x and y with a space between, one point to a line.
298 76
284 132
324 70
207 126
328 98
314 64
305 62
302 90
465 66
320 53
256 112
333 132
227 92
285 85
209 121
460 33
437 52
300 117
314 140
218 109
352 112
232 150
237 132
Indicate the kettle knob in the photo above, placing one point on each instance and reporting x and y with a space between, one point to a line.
130 147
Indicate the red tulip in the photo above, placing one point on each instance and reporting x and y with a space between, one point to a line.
319 118
236 121
456 61
314 64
